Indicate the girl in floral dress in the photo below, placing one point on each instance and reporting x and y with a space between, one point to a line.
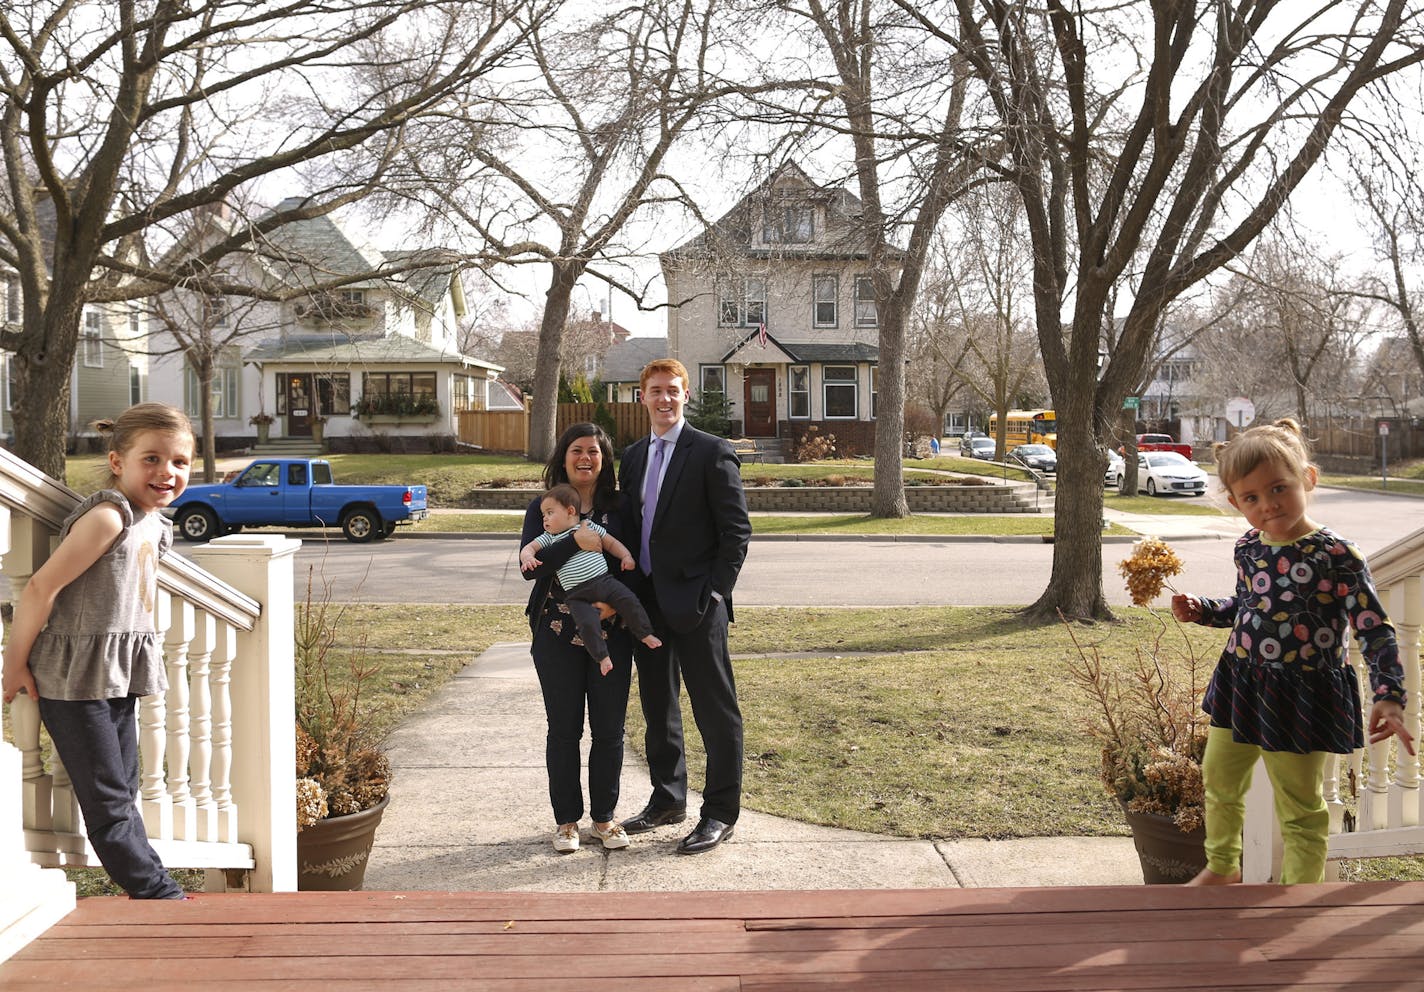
1284 690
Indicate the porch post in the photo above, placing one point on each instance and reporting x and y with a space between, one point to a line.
32 899
263 703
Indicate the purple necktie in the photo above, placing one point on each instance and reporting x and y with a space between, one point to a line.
650 505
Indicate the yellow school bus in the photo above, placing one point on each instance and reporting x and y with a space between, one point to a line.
1026 427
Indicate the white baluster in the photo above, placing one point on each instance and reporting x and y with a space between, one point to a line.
64 807
1404 796
154 801
200 758
37 787
224 653
175 654
1330 787
28 548
1374 796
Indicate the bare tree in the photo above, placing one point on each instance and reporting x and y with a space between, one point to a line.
1159 138
981 283
581 349
1391 192
1307 315
118 119
577 156
894 102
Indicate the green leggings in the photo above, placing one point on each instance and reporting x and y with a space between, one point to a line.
1300 806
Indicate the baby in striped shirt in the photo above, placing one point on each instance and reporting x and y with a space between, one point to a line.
585 577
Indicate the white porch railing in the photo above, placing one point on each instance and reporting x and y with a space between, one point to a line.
217 751
1387 820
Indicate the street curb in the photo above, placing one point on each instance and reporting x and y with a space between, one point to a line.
511 536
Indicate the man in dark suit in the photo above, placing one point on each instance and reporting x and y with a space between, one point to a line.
683 489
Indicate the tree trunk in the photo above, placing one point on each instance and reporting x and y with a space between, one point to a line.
204 374
1076 584
888 496
544 413
40 406
1127 420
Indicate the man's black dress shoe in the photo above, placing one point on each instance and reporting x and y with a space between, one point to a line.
708 834
653 817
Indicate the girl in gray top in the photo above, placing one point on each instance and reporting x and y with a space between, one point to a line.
83 643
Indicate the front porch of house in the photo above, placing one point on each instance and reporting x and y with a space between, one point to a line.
218 793
1362 936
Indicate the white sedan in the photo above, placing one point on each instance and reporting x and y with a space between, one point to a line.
1162 472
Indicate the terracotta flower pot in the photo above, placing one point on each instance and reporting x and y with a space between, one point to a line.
332 853
1168 856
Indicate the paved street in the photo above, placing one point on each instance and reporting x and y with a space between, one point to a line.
845 572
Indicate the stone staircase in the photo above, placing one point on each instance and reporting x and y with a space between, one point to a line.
759 450
287 447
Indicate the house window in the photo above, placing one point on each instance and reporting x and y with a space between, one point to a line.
396 392
788 224
135 322
799 390
839 388
823 301
93 340
223 390
333 393
714 379
467 392
356 297
214 310
9 380
874 390
741 304
865 314
135 386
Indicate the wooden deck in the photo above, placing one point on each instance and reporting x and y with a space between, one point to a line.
1362 937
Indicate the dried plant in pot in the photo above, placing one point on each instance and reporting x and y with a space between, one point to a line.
343 775
1149 723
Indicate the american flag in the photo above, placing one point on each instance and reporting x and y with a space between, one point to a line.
761 335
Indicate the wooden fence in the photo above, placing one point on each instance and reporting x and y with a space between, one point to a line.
630 420
508 430
495 430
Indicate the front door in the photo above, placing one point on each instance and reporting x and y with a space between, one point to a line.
299 404
759 396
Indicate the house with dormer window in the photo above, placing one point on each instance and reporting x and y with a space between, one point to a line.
358 350
774 307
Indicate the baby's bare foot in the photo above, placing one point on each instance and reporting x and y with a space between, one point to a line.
1208 877
652 641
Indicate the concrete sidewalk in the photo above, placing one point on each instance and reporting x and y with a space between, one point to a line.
470 811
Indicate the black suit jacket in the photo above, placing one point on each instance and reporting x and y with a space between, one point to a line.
700 527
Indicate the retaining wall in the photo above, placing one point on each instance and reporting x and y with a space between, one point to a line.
827 499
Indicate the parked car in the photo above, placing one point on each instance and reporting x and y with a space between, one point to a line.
1166 472
1036 456
977 447
1163 442
294 492
1114 472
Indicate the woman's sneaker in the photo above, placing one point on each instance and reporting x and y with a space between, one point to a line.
566 838
614 837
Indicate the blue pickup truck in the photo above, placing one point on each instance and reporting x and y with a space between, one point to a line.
294 492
